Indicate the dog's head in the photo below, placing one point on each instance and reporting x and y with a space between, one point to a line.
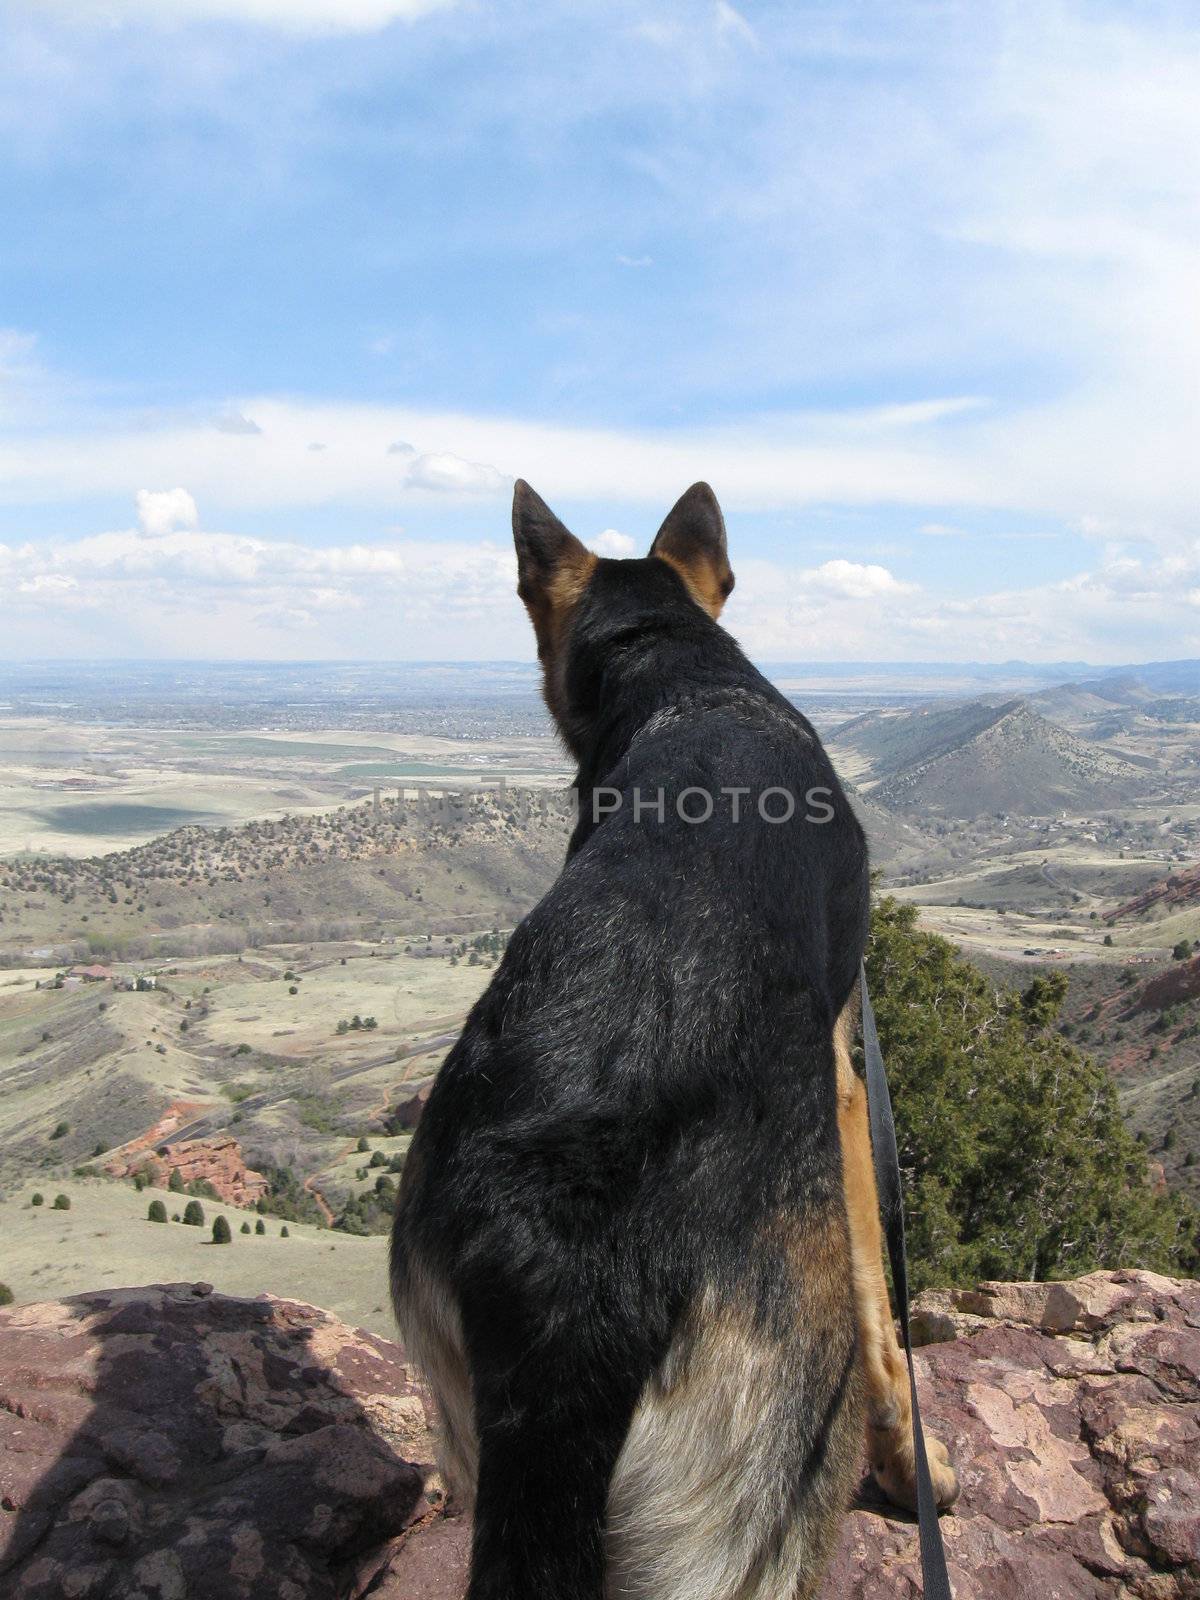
558 577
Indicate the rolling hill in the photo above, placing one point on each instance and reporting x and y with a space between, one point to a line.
977 759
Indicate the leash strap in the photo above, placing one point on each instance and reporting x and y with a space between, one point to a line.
935 1580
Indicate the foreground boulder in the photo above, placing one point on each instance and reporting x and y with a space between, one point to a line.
165 1444
171 1443
1072 1411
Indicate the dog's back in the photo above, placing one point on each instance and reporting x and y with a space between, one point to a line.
621 1251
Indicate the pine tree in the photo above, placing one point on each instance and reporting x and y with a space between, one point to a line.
1016 1161
193 1214
157 1212
220 1231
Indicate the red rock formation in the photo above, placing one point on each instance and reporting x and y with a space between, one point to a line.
1180 889
1172 987
217 1161
172 1441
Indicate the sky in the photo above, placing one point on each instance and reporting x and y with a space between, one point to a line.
291 291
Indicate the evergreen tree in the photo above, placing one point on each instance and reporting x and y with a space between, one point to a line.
157 1212
1016 1161
175 1181
193 1214
220 1231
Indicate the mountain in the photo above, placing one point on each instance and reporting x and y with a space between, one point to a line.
978 759
883 742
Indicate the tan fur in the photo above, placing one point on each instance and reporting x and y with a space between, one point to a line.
708 585
703 1503
431 1332
889 1406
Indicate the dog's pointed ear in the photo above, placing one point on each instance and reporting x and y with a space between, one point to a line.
692 540
553 567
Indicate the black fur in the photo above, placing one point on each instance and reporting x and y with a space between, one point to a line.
647 1081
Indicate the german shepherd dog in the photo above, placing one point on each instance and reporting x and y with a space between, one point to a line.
637 1245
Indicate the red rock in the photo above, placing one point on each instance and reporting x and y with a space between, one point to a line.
158 1442
151 1438
217 1161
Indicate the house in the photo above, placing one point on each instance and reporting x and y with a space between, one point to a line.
95 974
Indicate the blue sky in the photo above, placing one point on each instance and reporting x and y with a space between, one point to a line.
291 290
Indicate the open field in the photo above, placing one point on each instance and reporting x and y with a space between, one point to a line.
84 790
105 1240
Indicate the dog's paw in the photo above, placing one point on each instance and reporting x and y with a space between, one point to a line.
894 1467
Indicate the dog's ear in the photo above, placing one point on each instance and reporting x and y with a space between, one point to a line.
692 540
553 568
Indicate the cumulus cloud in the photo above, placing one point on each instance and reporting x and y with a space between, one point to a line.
187 589
162 511
613 543
852 580
447 472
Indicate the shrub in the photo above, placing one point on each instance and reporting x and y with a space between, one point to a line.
6 1295
61 1130
245 1228
260 1226
292 989
1016 1161
284 1233
175 1181
220 1231
157 1212
62 1202
378 1159
363 1145
193 1214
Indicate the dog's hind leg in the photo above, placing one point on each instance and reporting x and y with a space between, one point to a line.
740 1458
431 1331
889 1406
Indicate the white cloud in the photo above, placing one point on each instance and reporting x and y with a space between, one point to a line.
851 580
444 472
290 16
162 511
614 543
208 593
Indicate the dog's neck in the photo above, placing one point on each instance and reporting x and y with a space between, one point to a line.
637 681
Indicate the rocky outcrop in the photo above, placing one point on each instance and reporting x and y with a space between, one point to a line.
161 1443
217 1161
175 1444
1172 892
1172 987
1073 1413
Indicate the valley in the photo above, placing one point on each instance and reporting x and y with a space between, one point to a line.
235 949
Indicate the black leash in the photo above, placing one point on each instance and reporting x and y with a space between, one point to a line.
935 1580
